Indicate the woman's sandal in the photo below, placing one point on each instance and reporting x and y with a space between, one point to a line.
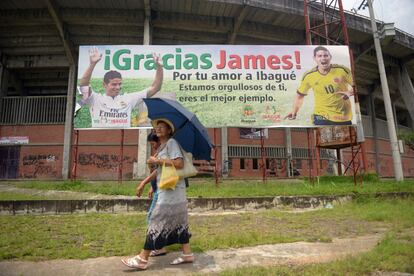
156 253
183 259
135 262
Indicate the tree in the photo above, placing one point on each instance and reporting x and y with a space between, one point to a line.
408 138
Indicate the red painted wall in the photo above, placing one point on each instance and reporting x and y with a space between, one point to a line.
99 153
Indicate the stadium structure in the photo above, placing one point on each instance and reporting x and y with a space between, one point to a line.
39 42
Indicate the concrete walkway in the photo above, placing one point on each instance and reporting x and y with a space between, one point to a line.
211 262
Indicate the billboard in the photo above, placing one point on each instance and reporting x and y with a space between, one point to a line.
248 86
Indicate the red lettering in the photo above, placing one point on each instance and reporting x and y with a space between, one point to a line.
254 60
287 63
273 62
222 63
235 62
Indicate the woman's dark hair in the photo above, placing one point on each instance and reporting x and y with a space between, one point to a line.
152 137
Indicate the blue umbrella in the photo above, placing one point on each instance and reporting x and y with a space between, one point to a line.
189 132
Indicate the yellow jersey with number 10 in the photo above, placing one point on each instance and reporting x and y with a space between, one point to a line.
328 103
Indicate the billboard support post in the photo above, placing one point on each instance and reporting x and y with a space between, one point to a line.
75 156
121 157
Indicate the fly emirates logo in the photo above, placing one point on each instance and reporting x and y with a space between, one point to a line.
113 113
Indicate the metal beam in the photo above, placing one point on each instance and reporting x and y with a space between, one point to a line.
405 86
105 40
367 67
408 58
186 37
269 32
367 53
112 17
67 44
361 50
212 25
35 40
37 61
35 50
239 20
46 83
12 31
105 31
2 75
25 17
35 17
189 22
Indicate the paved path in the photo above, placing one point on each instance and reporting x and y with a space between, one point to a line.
297 253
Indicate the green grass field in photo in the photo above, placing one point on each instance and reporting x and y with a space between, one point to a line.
214 112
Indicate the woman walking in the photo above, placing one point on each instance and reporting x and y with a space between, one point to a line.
168 223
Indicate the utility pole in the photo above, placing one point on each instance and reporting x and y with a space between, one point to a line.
399 176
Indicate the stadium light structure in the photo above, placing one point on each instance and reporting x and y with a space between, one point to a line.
398 172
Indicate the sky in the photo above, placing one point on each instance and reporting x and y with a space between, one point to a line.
400 12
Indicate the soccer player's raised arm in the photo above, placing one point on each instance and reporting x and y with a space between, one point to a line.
159 75
94 58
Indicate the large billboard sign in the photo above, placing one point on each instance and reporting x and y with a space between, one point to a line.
225 85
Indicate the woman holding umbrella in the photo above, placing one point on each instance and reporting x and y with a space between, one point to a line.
168 223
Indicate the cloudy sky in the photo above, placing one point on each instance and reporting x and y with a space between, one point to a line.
398 11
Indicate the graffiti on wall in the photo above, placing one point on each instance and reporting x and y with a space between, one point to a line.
40 165
104 161
386 167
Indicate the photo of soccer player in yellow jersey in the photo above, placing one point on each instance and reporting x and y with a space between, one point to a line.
331 85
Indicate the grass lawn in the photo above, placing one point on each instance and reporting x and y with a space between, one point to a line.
206 187
93 235
394 253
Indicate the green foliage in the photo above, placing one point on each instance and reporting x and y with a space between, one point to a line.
371 177
407 137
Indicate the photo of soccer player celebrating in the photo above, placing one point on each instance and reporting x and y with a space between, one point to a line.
113 109
332 87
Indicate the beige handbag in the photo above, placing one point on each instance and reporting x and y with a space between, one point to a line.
188 170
